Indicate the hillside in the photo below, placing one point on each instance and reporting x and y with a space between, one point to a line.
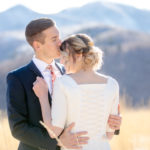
112 14
126 58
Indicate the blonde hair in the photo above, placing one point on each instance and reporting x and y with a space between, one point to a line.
83 44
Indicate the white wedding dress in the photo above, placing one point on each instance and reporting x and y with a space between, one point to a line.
88 105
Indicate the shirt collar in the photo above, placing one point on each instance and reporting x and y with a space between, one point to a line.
41 65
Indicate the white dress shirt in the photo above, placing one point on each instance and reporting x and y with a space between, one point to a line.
42 66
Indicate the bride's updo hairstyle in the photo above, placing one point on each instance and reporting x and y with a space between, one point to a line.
82 44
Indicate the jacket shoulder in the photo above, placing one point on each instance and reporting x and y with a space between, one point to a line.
19 71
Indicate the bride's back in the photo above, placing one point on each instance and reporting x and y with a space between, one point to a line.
86 104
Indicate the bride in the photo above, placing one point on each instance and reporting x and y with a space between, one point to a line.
82 96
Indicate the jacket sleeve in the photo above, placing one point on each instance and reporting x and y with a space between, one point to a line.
17 109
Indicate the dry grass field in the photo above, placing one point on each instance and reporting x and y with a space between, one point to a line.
135 131
6 139
134 135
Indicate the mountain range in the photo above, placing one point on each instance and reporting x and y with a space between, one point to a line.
122 32
112 14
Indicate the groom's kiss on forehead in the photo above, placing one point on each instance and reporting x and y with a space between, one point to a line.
44 38
24 110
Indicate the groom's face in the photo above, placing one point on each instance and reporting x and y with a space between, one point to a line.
50 49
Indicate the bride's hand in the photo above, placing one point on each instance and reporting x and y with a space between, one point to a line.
40 88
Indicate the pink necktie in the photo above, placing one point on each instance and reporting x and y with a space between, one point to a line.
53 75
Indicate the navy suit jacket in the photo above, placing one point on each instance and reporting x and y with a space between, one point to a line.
24 111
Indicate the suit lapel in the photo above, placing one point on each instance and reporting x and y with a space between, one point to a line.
60 68
33 67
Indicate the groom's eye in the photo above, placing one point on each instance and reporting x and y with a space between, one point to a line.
54 40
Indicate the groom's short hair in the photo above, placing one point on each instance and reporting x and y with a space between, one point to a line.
35 27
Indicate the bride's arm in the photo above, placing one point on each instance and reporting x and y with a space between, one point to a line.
46 114
41 90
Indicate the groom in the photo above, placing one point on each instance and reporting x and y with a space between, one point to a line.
24 112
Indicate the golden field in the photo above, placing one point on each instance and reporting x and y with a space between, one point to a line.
134 135
135 130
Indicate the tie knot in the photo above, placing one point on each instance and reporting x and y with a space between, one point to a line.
50 67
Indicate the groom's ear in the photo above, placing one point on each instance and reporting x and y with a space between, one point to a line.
36 45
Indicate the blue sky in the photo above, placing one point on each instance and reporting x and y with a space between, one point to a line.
54 6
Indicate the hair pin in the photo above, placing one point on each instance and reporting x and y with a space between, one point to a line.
90 44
